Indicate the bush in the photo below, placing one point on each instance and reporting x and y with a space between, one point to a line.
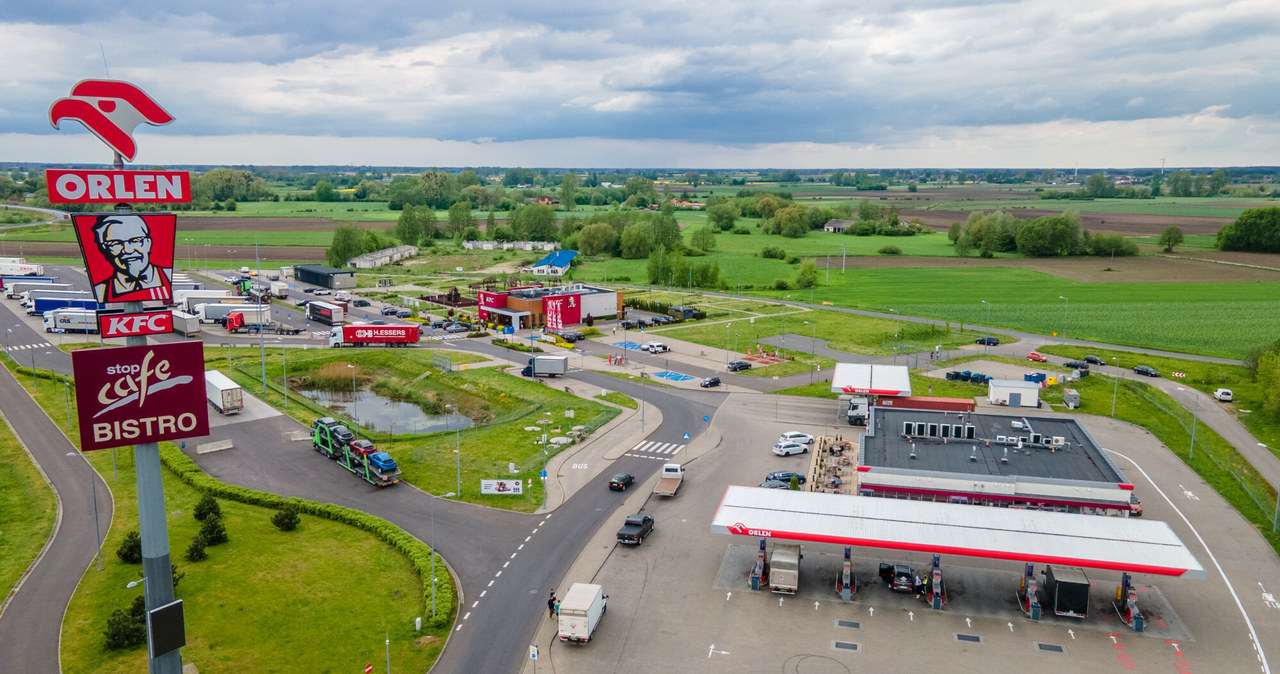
196 551
793 259
478 333
206 508
890 250
773 253
740 229
286 519
130 550
126 629
214 531
781 284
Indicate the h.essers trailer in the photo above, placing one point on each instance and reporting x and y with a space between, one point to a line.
364 334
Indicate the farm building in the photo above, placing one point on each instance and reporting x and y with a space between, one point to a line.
548 307
546 246
555 264
324 276
1013 393
380 257
837 226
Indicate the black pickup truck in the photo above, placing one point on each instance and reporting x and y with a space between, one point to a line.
635 529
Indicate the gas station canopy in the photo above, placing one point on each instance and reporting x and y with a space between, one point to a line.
1091 541
868 379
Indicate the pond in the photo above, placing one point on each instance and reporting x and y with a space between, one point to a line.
382 414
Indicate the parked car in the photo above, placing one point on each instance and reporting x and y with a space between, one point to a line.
309 291
1135 506
628 325
1037 357
1223 395
789 448
403 313
899 577
621 481
987 341
737 365
797 436
656 347
377 321
456 328
1076 365
323 291
360 303
709 382
1146 371
785 476
389 311
663 320
775 484
1095 360
635 528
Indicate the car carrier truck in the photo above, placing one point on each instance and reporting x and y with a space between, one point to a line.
225 395
365 334
580 612
335 440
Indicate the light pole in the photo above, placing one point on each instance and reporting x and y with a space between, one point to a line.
355 409
34 384
1194 418
813 349
1065 308
726 342
433 550
457 444
897 334
985 345
93 480
66 398
1115 384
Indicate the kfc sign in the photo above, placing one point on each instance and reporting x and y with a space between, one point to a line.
131 325
110 187
138 394
129 256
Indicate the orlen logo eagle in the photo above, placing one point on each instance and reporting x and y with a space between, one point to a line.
111 109
741 530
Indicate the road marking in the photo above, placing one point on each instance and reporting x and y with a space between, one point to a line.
473 604
483 593
513 555
490 584
526 538
506 564
497 574
521 546
468 615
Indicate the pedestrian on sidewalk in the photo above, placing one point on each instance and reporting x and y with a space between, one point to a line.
552 604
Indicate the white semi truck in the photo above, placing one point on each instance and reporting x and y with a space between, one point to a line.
70 320
225 395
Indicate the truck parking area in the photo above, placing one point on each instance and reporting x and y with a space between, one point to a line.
682 601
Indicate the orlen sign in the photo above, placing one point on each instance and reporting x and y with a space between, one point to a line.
135 324
110 187
138 394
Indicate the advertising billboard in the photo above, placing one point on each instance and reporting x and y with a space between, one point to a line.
120 324
137 394
502 487
72 186
128 256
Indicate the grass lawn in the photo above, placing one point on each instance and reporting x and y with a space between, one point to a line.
620 399
27 510
186 239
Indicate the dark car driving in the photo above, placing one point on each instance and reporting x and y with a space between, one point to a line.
621 481
987 341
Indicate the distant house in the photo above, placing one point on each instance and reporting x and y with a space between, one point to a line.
545 200
837 226
555 264
686 204
381 257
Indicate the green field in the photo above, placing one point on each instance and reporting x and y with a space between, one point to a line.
1227 208
27 510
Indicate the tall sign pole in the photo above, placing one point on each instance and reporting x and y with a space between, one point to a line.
138 392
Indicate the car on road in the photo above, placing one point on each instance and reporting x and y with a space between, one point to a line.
621 481
389 311
456 327
1076 365
360 303
1223 395
1037 357
1146 371
377 321
656 347
785 476
987 341
309 291
323 291
1095 360
797 436
775 484
709 382
789 448
737 365
635 529
628 325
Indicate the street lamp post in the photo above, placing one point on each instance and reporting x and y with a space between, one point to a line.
457 445
985 345
433 550
1115 384
897 333
1065 308
93 480
355 409
1191 454
813 349
726 342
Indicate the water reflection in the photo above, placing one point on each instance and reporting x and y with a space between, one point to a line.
379 413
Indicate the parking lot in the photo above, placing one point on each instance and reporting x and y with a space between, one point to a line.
681 600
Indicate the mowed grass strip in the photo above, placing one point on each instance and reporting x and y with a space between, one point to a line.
27 510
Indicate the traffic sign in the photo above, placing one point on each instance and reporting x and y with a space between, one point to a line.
706 417
543 474
368 669
686 436
533 652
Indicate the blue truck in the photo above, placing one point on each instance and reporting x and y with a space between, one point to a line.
42 304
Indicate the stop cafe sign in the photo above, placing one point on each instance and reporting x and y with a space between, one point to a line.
138 394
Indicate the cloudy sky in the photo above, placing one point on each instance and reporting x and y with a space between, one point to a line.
709 84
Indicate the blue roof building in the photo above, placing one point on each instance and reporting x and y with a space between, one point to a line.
555 264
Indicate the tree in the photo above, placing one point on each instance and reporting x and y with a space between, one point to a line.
1171 237
196 550
597 239
691 178
206 508
636 241
535 223
130 550
348 242
1099 187
666 232
703 238
568 190
723 215
213 531
767 206
126 629
408 227
807 275
467 179
286 518
1217 181
1050 236
963 246
517 176
1257 230
791 222
954 232
460 218
325 191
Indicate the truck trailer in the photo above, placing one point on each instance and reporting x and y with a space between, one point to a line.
8 279
255 322
20 267
37 293
324 312
546 366
784 568
225 395
217 312
364 334
180 297
14 290
279 289
71 320
669 482
580 612
1068 590
185 324
40 305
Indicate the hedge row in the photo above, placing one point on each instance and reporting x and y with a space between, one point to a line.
415 550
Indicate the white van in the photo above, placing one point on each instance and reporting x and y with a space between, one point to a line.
1223 395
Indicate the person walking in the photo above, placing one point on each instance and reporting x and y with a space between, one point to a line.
551 605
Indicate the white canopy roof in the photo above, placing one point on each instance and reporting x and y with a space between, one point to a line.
865 378
1092 541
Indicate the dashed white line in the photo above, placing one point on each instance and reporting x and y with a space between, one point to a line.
483 593
513 555
490 584
521 547
468 615
526 538
497 574
506 564
531 533
473 604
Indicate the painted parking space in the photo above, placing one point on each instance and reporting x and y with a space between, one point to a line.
674 376
630 346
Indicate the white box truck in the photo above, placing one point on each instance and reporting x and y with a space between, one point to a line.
279 289
546 366
224 394
185 324
70 320
20 267
580 612
784 568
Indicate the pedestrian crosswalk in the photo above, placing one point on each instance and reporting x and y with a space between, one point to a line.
20 347
655 450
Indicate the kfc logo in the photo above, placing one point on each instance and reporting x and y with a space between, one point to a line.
129 257
111 109
130 325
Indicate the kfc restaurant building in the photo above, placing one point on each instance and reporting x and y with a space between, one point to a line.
552 308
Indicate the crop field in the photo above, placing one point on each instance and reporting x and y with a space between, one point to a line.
1227 208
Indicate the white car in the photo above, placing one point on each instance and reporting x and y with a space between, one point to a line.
656 347
797 436
1223 394
322 291
789 448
